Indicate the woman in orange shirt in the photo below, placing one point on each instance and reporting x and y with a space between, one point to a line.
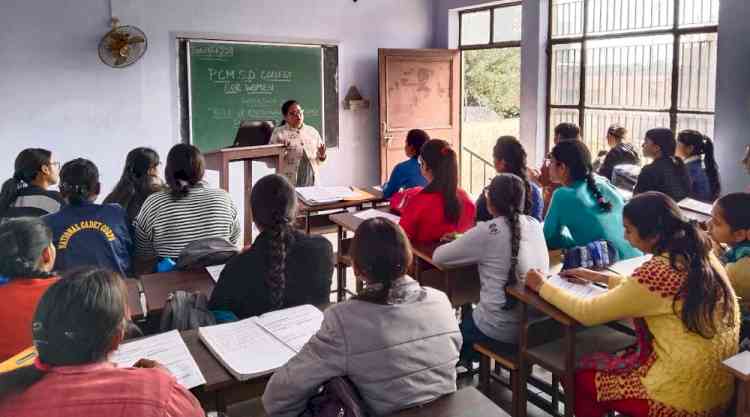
27 257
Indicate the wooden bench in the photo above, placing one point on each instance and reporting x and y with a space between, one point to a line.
467 402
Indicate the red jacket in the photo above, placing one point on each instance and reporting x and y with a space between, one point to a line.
423 218
20 297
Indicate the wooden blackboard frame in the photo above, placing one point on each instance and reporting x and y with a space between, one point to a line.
330 78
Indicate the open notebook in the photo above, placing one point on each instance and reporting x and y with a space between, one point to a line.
260 345
587 290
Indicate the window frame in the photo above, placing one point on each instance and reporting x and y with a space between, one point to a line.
675 30
491 44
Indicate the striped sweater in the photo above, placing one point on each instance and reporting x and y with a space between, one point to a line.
165 224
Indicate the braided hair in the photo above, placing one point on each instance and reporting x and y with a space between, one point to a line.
506 195
509 150
23 241
274 205
381 252
79 181
576 156
703 145
27 166
707 298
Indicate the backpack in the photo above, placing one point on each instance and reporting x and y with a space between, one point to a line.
338 398
206 252
185 311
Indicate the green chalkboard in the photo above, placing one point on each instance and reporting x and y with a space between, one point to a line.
231 82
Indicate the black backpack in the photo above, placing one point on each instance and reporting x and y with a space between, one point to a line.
206 252
185 311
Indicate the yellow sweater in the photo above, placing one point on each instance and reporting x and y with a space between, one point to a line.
684 376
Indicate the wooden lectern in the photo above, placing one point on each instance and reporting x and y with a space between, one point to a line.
219 160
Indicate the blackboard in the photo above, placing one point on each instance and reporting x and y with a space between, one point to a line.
234 81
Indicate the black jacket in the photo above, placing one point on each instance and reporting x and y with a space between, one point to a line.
666 175
623 153
242 285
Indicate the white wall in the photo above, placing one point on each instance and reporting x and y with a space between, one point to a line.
54 92
733 93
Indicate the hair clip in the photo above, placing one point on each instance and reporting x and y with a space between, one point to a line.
38 364
445 151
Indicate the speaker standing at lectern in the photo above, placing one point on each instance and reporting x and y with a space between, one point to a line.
305 148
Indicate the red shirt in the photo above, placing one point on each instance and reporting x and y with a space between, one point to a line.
19 298
103 390
423 218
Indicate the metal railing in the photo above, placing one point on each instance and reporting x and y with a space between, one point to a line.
484 166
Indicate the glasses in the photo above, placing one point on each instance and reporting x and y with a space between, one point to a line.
296 113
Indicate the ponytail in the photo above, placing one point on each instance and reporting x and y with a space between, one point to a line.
712 170
441 159
281 238
28 165
79 180
9 193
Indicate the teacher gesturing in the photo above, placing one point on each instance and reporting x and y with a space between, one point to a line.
305 150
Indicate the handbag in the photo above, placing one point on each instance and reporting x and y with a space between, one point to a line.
338 398
596 255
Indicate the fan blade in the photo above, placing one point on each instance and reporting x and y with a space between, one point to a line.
120 60
136 39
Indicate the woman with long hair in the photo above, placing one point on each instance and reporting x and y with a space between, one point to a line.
27 257
26 194
697 153
510 157
504 249
139 180
397 341
586 208
187 211
686 318
79 322
284 267
666 173
86 233
441 208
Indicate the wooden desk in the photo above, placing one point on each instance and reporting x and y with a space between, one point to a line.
219 160
467 402
156 287
461 284
307 210
560 356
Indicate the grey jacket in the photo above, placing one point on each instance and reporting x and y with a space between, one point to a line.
397 356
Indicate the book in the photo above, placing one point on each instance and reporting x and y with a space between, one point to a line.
586 290
740 363
23 358
215 271
627 267
373 213
695 206
262 344
166 348
321 195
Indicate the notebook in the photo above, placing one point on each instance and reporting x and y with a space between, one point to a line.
627 267
259 345
696 206
587 290
166 348
739 362
320 195
372 213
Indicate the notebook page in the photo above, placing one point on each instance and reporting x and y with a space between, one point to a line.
215 271
627 267
166 348
696 206
293 326
372 213
580 290
245 348
740 362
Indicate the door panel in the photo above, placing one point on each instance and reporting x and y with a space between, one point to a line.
419 89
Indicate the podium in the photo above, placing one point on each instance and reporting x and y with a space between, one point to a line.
219 160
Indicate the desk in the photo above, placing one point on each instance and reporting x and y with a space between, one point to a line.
219 161
467 402
460 284
156 287
560 357
306 210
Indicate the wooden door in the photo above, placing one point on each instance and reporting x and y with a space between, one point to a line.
419 89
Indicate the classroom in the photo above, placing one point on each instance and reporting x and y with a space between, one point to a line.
375 208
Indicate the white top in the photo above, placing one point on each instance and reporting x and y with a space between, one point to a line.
488 245
299 142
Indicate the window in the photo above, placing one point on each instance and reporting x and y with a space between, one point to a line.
639 63
490 43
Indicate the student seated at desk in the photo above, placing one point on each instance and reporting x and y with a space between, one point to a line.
189 210
587 207
620 152
407 174
686 319
27 256
86 233
397 341
26 194
563 132
80 320
284 267
504 248
667 173
510 157
139 180
441 208
697 153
